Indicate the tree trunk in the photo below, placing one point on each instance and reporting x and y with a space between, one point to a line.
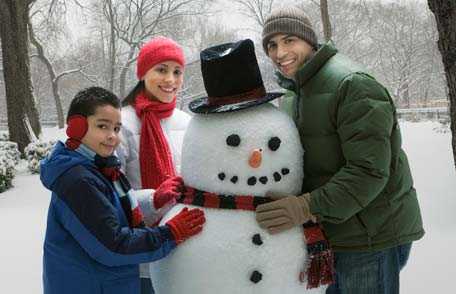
123 74
445 15
14 16
52 75
325 20
112 47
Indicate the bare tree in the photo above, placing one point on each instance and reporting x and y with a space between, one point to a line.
23 126
206 34
109 14
325 20
52 74
102 46
132 22
394 41
46 60
2 92
445 15
350 25
257 10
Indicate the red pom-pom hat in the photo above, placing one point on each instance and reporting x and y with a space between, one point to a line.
155 51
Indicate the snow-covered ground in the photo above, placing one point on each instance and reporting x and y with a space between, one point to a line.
430 268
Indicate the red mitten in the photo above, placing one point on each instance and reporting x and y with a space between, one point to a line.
186 223
167 191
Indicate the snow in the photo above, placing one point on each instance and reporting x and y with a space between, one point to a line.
22 224
430 268
431 264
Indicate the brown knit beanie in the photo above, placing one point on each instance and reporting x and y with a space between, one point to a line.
288 20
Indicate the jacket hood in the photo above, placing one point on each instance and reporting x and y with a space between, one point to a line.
58 162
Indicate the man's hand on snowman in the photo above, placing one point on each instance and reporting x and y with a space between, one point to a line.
284 213
186 223
169 190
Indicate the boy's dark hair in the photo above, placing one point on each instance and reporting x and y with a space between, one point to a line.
86 101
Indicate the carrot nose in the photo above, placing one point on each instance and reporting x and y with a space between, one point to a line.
255 158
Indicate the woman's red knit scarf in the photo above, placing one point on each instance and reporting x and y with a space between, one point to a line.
156 162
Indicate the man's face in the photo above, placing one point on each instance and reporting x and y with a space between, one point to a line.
288 53
103 133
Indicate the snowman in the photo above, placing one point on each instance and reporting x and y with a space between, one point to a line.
237 148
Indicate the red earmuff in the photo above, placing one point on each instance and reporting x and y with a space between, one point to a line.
77 127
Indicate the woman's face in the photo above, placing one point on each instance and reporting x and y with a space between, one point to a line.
164 80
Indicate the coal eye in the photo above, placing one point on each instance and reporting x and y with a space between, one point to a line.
274 143
233 140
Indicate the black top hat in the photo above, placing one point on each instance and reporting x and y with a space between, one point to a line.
232 79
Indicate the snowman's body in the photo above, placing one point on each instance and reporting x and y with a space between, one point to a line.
233 251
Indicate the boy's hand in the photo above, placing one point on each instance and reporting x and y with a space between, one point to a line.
285 213
168 190
186 223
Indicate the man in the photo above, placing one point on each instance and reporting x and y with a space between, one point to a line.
357 181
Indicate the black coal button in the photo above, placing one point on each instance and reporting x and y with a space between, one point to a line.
285 171
221 176
256 239
263 180
233 140
256 276
277 177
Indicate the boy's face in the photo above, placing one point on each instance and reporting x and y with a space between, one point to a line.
103 133
288 53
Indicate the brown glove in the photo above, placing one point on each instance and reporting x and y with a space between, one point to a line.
285 213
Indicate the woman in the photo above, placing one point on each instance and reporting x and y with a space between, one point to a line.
152 127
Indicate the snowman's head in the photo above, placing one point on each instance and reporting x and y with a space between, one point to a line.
246 152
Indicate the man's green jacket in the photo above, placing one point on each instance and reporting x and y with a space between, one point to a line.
354 167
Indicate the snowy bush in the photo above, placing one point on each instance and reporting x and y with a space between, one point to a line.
9 158
36 151
10 151
6 171
443 126
4 136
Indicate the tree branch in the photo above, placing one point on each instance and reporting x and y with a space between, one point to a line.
65 73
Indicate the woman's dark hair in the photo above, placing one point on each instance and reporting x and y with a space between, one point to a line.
86 101
130 98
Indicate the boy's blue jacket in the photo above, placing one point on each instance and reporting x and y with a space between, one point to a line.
89 247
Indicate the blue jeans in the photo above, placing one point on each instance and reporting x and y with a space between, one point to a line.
146 286
374 272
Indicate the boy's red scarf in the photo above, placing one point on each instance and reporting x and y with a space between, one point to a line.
320 268
110 168
156 162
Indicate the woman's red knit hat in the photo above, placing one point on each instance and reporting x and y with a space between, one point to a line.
157 50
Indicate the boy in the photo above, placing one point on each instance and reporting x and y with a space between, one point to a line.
95 236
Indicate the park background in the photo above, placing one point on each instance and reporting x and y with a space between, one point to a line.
74 44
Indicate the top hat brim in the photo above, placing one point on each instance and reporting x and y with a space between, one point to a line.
201 105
